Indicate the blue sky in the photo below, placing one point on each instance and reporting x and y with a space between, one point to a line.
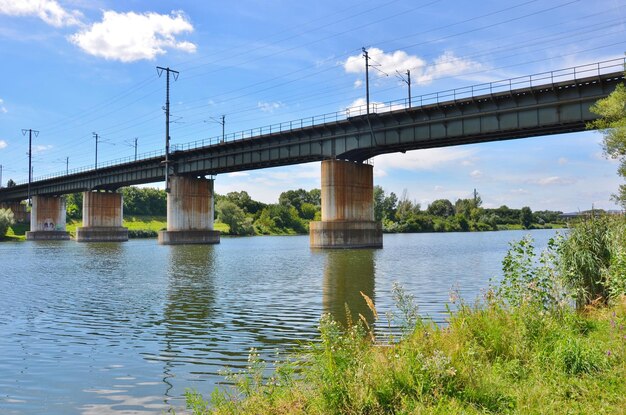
74 67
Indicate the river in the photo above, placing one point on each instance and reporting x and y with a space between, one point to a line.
96 328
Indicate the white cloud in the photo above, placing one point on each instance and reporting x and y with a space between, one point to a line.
428 159
476 174
422 72
563 161
359 107
269 106
553 180
50 11
358 83
386 63
131 36
3 144
238 174
3 109
41 148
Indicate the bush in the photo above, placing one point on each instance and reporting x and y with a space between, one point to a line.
6 219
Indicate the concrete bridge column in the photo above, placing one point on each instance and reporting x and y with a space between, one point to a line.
19 211
102 218
347 208
47 222
190 212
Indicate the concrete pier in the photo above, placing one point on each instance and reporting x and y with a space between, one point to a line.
102 218
190 211
347 208
47 219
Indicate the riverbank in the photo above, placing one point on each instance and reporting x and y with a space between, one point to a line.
488 359
148 226
521 348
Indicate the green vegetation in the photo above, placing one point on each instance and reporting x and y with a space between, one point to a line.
403 215
612 124
522 349
6 220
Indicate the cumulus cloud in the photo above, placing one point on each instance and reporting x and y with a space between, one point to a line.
447 64
3 109
131 36
3 144
476 174
50 11
428 159
358 83
269 106
359 107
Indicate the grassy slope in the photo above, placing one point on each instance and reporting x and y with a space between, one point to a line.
150 223
488 360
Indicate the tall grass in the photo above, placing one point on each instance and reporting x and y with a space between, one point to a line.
521 349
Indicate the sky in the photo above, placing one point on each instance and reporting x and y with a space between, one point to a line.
72 68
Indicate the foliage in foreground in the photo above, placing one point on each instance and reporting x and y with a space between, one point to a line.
523 350
6 220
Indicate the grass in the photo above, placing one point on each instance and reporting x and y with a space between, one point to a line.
135 224
488 359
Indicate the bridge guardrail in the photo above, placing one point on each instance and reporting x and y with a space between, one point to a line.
529 81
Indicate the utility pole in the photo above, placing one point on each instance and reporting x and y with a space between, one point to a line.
0 176
136 138
406 81
96 136
160 70
367 79
30 158
67 165
223 127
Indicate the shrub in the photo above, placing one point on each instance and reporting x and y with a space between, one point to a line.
6 219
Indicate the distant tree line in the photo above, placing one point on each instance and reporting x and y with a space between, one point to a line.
404 215
296 208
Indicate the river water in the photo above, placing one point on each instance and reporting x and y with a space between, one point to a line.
97 328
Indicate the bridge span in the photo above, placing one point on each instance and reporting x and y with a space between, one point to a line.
549 103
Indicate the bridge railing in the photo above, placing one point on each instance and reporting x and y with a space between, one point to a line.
507 85
110 163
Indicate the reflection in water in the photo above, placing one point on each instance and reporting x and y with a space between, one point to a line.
189 309
347 273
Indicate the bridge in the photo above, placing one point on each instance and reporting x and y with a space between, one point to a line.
541 104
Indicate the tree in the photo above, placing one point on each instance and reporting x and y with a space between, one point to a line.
10 183
234 216
526 217
612 124
244 201
6 220
441 207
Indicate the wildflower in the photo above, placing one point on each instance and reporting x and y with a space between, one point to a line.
608 353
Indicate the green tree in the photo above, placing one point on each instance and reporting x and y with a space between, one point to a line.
441 207
612 124
234 216
244 201
74 205
10 183
6 220
526 217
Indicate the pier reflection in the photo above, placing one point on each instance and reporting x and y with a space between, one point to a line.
347 273
188 313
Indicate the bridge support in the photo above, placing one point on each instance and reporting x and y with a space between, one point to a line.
190 212
347 208
47 219
102 218
19 211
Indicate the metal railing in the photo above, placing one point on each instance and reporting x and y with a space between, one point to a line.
506 85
